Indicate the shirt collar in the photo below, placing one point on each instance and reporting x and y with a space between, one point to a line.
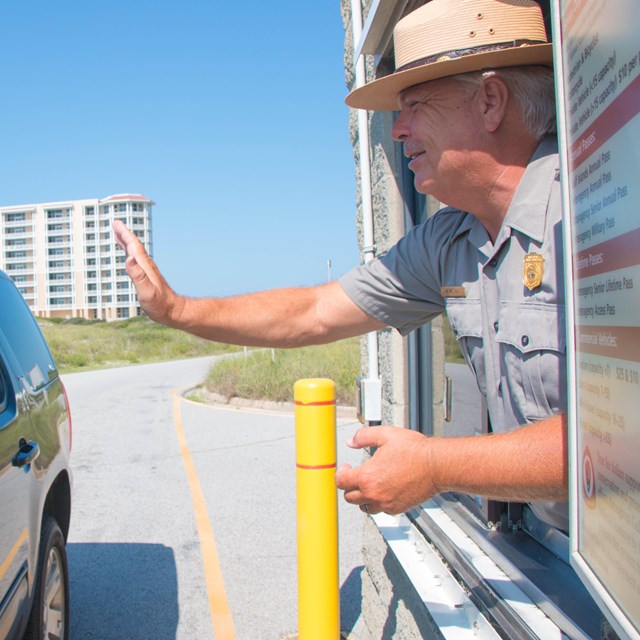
532 194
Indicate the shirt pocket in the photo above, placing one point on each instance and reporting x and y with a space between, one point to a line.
465 318
532 341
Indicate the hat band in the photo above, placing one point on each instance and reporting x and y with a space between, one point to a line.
460 53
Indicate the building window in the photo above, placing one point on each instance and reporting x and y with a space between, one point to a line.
16 217
60 302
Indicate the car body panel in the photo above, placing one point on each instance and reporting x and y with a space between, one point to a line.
33 407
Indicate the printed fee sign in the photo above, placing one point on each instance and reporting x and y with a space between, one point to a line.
597 57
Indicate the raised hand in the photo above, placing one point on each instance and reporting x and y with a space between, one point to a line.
156 297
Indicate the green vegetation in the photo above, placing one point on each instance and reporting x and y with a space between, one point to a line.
452 351
81 345
272 373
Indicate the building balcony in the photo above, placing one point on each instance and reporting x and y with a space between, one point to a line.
27 234
24 280
18 268
66 280
16 259
8 224
55 243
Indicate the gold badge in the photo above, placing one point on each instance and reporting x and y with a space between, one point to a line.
533 270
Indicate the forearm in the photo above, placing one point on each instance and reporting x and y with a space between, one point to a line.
276 318
527 464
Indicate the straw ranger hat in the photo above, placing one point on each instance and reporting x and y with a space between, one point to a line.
447 37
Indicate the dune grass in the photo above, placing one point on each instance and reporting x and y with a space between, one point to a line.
272 373
81 345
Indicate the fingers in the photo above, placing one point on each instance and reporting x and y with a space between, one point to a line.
155 296
139 264
344 477
130 243
124 236
368 437
347 479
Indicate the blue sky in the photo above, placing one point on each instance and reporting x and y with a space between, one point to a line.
230 116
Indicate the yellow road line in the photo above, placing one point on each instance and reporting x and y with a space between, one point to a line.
221 619
4 567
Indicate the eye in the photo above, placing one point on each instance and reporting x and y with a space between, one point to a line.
413 104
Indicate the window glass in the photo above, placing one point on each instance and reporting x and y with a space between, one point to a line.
21 332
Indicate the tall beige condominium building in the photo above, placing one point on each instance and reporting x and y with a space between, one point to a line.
64 259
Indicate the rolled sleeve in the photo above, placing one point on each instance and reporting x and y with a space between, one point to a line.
401 288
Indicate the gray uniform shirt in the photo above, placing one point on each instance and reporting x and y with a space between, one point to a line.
512 337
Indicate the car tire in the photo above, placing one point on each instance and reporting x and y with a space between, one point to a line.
49 619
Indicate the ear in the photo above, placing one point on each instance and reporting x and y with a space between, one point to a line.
494 97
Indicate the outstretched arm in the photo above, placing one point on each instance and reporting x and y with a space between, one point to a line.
527 464
276 318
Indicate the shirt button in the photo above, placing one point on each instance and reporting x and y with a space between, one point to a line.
495 326
524 341
493 262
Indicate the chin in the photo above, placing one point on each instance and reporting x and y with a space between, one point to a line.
424 186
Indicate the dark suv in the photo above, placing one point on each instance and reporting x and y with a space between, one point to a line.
35 480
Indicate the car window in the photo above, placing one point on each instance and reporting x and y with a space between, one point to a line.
23 335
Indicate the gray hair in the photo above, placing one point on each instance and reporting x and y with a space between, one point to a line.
533 90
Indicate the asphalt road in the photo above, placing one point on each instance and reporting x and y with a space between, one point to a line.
137 567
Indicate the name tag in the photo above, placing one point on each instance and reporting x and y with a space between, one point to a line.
452 292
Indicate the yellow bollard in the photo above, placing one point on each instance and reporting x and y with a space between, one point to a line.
317 510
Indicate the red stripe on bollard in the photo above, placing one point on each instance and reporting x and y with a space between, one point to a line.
321 466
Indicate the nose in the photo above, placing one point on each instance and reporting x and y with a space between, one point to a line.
399 130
